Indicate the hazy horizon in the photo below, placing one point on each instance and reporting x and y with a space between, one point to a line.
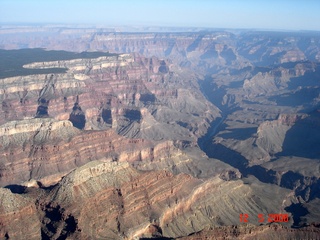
250 14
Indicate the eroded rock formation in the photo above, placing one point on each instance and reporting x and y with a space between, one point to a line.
125 145
105 96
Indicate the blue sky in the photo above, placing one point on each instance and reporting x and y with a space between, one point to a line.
261 14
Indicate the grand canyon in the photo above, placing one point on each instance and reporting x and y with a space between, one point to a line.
158 134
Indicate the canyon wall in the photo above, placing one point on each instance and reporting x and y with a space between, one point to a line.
43 120
170 134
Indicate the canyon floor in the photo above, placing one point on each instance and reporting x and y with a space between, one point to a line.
159 135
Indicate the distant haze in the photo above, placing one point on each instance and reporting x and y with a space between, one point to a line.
258 14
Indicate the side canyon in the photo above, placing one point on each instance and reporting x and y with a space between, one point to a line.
169 135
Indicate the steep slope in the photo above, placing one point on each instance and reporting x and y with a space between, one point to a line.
126 145
62 121
274 231
113 200
18 217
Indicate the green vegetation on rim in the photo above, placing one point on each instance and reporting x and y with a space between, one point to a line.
12 61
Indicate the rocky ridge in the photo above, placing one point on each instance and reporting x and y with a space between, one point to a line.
121 195
116 94
159 115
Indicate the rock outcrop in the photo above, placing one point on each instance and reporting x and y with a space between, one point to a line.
125 145
56 122
112 199
274 231
18 217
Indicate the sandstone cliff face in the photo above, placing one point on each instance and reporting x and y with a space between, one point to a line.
278 137
108 91
49 149
114 200
16 210
275 80
210 49
111 147
129 95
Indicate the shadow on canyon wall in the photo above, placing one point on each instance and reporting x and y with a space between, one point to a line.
303 138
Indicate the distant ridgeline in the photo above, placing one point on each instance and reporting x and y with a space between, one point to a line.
12 61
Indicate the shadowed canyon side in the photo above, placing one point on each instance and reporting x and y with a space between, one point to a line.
107 97
171 135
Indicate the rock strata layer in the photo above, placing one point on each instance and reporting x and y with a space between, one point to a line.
172 135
